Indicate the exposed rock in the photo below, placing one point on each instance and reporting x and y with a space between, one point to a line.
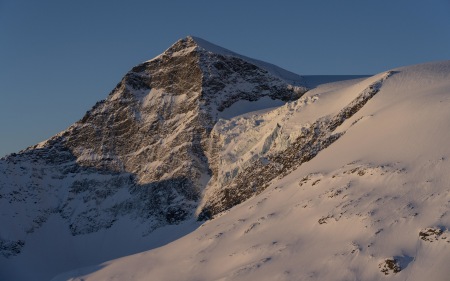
432 234
389 266
11 248
395 264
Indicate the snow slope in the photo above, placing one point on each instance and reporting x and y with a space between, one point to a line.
372 205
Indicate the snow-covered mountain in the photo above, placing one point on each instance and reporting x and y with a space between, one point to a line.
137 161
348 181
371 200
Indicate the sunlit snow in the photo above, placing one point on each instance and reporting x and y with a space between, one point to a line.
373 205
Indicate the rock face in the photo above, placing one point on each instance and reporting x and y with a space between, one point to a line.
146 152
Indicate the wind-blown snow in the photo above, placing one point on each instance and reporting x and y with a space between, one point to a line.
375 204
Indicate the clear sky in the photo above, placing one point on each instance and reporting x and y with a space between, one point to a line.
58 57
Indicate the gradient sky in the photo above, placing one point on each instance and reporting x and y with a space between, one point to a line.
57 58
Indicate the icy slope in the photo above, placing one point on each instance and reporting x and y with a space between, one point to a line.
373 205
255 149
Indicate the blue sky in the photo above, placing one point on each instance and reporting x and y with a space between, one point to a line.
57 58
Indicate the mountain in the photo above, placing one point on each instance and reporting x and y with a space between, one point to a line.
351 183
134 165
214 166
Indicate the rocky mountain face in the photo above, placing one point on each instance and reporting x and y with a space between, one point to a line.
146 152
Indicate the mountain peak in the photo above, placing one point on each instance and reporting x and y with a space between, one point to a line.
210 47
190 43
